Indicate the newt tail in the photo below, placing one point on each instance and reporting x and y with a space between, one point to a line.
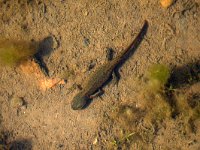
97 79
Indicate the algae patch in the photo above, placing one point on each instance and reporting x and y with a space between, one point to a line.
157 76
136 124
13 52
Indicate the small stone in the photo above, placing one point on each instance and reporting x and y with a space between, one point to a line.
60 145
86 41
95 141
91 65
166 3
85 13
17 102
56 42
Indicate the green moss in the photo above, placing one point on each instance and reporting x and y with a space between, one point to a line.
159 72
156 102
13 52
157 108
158 76
187 113
126 117
125 141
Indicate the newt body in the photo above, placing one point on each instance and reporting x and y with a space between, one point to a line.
97 79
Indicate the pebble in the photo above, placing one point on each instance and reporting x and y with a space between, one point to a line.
95 141
166 3
91 65
17 102
86 41
85 13
56 42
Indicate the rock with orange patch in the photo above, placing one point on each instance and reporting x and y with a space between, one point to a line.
33 70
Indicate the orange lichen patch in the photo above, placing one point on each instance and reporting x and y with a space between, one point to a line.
33 70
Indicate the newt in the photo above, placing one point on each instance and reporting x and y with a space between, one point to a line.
101 75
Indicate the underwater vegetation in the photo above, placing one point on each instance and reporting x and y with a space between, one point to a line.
157 77
162 102
188 110
156 102
184 93
12 52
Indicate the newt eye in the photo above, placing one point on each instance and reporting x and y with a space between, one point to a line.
78 102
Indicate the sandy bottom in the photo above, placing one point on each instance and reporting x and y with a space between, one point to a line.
80 33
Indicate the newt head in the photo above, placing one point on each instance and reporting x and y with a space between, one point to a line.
79 101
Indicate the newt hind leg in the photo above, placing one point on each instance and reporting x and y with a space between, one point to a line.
97 94
115 77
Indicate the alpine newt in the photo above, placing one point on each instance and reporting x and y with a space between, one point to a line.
102 74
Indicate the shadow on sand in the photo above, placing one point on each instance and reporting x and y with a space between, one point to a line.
45 48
